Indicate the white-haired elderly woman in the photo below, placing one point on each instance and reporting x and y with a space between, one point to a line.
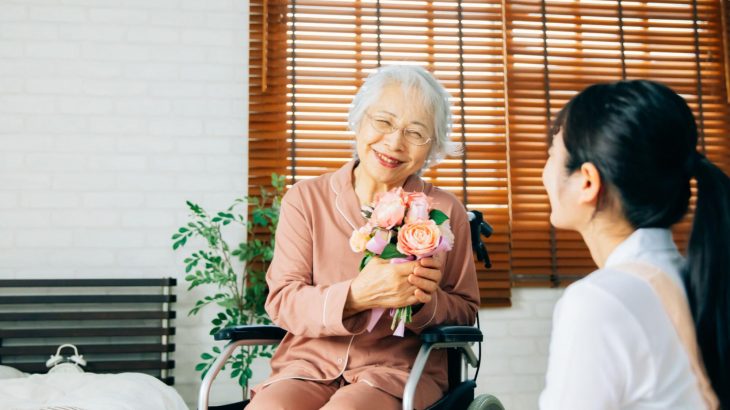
328 359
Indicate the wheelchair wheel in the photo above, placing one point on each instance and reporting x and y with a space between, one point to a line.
486 402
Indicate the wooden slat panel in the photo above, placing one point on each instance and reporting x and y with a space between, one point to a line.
53 283
44 299
67 316
87 315
85 332
88 349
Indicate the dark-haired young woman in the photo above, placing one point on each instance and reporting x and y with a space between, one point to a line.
649 329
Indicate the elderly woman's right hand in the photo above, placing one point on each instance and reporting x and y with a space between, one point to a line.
381 284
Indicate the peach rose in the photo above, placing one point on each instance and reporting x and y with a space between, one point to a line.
419 205
359 239
419 238
390 207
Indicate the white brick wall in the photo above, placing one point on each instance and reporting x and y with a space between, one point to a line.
514 352
112 114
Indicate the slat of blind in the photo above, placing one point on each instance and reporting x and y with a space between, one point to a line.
85 332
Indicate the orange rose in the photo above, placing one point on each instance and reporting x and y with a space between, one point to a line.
419 238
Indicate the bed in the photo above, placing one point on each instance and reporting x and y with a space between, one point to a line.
122 329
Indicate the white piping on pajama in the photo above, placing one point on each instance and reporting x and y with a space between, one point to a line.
344 366
337 205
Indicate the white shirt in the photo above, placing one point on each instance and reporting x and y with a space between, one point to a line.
612 344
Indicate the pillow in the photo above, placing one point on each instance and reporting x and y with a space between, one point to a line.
7 372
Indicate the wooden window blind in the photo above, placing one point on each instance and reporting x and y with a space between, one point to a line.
509 66
268 84
557 48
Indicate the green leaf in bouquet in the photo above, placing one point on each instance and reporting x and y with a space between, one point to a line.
365 260
437 216
391 251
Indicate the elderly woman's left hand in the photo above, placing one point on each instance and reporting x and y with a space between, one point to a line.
426 278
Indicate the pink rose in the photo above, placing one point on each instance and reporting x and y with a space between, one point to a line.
446 234
419 239
419 205
390 207
378 242
359 239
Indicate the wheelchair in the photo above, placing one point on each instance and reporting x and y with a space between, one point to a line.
456 339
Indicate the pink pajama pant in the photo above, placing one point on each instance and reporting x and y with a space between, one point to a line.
296 394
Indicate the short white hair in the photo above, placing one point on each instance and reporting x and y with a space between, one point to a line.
422 88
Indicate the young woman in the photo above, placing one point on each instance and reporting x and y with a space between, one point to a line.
619 170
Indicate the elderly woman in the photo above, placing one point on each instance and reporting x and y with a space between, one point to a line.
328 359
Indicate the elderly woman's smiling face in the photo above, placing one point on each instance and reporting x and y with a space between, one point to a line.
390 158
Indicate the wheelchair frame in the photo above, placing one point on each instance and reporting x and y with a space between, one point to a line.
439 337
458 338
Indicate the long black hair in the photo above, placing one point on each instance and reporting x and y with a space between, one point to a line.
642 138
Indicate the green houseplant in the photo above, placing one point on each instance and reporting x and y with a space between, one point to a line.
234 274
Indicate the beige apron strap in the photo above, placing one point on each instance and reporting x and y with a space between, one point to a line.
675 304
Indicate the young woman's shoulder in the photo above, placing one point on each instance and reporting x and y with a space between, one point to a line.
607 296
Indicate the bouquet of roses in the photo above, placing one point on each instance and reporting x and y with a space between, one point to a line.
402 226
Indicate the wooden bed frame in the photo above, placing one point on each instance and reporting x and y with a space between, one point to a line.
118 325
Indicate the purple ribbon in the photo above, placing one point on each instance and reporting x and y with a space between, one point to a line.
377 313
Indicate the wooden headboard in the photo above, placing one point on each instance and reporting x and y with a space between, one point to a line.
118 325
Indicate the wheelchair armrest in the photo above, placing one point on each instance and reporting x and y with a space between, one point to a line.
247 332
451 334
241 335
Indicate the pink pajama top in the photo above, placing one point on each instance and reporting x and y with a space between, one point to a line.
309 279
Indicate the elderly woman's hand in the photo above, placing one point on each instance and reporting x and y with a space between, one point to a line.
426 278
385 285
382 284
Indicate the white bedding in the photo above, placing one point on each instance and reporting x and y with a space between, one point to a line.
86 391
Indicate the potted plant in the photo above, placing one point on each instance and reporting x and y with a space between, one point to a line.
234 274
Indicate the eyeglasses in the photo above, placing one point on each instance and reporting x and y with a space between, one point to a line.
384 125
